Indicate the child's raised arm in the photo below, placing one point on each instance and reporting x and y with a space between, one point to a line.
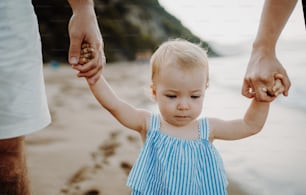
253 121
126 114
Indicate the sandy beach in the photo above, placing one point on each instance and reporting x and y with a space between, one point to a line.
85 151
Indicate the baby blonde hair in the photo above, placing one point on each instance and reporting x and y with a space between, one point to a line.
181 53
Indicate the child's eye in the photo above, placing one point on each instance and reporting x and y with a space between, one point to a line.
171 96
195 96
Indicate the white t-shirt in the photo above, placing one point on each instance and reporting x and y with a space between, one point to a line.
23 102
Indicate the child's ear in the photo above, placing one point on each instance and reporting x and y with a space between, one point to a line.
207 85
153 90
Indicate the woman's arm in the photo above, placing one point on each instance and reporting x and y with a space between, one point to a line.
263 63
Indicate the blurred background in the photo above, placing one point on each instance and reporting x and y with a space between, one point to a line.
130 27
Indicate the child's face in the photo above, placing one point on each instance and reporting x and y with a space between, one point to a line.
180 94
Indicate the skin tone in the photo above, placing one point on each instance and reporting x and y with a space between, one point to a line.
13 174
264 68
180 97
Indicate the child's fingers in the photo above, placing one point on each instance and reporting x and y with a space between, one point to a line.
85 45
88 56
88 70
278 76
247 89
278 92
278 84
87 50
285 82
278 87
83 60
88 66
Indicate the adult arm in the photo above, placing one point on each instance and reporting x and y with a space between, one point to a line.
263 63
83 27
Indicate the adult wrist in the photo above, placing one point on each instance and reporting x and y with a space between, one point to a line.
266 47
81 5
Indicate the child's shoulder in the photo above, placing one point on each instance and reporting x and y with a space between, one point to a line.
212 125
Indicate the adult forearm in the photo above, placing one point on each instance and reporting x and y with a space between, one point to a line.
274 17
80 4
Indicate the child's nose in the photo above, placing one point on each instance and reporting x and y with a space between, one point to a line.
183 105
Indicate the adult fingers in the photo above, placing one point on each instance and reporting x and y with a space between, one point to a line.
74 49
278 87
262 94
285 82
247 89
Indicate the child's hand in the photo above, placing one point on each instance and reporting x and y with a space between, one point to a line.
278 88
87 54
86 65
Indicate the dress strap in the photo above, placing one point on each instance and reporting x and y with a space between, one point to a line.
204 128
155 122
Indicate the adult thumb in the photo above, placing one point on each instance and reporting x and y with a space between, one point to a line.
74 50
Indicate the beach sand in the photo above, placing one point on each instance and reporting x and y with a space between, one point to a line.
85 151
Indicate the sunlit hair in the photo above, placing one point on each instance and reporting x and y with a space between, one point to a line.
181 53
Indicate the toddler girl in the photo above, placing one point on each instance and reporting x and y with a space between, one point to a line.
178 156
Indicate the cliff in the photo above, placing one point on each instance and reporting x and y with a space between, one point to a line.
130 28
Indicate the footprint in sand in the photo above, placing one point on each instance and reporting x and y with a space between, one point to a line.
108 171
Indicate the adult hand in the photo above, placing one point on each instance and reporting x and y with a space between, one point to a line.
263 69
83 27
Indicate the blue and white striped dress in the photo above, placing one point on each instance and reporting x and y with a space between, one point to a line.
172 166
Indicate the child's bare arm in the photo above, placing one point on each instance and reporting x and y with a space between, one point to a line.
252 123
126 114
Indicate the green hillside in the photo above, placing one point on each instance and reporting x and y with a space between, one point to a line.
128 27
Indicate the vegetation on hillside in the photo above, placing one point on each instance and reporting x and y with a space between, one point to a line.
128 27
